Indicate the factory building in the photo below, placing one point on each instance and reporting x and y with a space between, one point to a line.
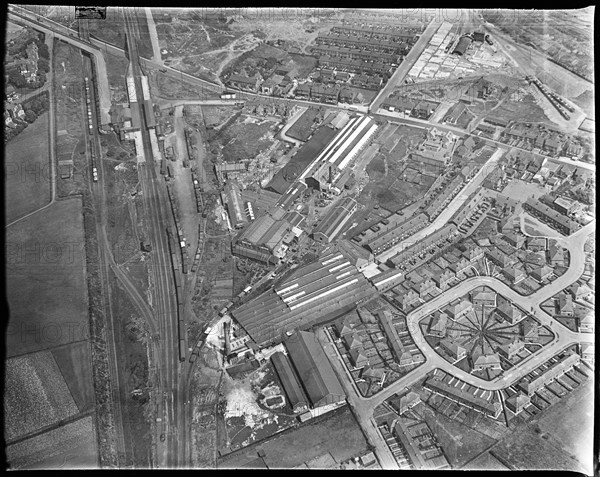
265 235
232 199
305 156
290 382
333 222
314 369
340 152
316 293
463 44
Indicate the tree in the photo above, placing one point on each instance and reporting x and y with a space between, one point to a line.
43 51
43 65
30 116
16 79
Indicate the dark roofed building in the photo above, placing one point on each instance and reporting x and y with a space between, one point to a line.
314 369
285 177
293 390
463 44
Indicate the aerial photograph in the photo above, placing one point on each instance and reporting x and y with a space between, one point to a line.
299 238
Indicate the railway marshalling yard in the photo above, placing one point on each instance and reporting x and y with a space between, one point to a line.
367 245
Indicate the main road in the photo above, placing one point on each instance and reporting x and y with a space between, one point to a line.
563 337
407 63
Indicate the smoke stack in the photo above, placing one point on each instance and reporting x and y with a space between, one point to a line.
330 174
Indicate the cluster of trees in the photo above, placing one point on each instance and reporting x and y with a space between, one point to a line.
33 108
14 74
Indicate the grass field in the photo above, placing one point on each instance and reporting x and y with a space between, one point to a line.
338 434
570 422
45 274
521 111
72 446
70 119
459 442
540 447
74 364
27 170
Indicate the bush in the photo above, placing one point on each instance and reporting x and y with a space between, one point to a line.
30 116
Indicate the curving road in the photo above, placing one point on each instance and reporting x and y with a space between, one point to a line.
563 337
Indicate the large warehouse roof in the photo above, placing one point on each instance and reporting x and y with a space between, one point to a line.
302 159
289 380
344 146
316 293
335 219
315 371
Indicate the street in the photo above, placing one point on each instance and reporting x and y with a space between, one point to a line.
564 337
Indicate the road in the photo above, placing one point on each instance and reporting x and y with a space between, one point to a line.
289 123
563 337
449 211
408 62
48 27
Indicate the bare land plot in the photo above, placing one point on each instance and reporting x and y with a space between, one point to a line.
245 138
46 285
459 442
529 448
72 446
570 422
27 170
520 190
485 461
36 394
524 111
310 441
70 116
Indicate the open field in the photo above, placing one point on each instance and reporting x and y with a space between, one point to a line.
74 363
540 446
485 461
520 190
570 422
131 337
459 442
116 67
27 170
524 111
244 139
308 441
45 260
72 446
36 395
70 116
392 182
